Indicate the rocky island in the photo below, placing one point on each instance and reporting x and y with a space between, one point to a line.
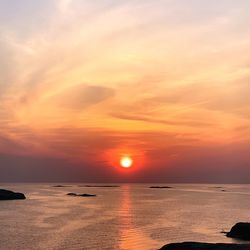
81 195
10 195
240 231
60 186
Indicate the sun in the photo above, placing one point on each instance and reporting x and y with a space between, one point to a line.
126 162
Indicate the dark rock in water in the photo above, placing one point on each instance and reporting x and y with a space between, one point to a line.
160 187
82 195
9 195
223 190
60 186
99 186
87 195
205 246
223 232
72 194
240 230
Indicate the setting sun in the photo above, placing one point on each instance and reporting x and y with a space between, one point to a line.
126 162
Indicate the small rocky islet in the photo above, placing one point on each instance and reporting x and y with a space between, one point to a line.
81 195
10 195
60 186
240 231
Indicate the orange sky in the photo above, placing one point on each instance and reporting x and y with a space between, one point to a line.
167 82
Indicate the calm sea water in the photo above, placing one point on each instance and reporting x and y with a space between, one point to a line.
128 217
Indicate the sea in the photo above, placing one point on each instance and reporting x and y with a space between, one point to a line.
124 217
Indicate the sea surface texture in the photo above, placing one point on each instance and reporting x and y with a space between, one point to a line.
128 217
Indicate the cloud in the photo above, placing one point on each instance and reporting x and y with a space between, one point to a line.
164 77
229 97
138 117
83 96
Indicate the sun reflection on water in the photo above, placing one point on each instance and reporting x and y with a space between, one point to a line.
131 236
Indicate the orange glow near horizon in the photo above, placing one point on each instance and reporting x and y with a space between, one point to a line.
125 159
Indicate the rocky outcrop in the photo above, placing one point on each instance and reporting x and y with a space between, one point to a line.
82 195
10 195
60 186
240 230
160 187
72 194
205 246
86 195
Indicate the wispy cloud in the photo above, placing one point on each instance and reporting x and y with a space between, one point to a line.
79 78
82 96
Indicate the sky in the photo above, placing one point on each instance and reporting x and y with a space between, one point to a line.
84 83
